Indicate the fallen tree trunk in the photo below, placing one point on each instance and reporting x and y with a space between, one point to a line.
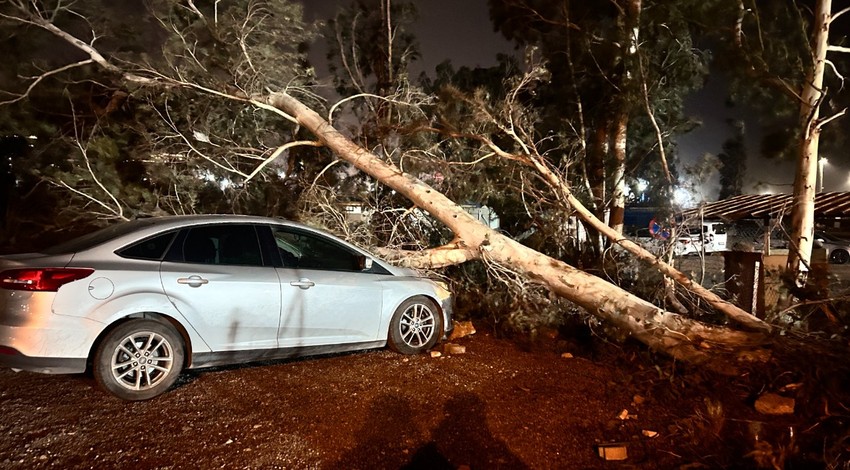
565 194
680 337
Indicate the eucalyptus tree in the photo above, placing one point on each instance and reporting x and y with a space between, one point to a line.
784 48
619 74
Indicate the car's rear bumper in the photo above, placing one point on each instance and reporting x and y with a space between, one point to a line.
14 359
34 338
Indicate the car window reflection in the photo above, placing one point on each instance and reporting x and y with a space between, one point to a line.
304 250
235 245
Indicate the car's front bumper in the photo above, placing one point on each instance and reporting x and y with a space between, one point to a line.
448 312
444 297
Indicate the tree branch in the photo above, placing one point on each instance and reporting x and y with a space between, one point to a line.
826 121
658 136
836 15
448 255
838 49
41 77
751 69
280 150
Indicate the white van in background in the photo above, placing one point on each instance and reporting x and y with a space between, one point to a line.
714 236
693 241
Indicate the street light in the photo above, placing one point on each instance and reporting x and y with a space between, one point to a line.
821 163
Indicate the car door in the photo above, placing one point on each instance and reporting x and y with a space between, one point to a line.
216 277
327 295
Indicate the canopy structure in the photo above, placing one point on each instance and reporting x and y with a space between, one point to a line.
770 206
830 207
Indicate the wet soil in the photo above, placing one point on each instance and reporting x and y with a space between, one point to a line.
503 404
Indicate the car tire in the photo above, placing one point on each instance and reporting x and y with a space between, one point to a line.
839 256
158 351
416 326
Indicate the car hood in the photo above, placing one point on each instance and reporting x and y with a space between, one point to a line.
399 271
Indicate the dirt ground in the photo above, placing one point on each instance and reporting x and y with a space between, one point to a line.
503 404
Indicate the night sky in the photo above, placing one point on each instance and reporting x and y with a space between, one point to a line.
460 30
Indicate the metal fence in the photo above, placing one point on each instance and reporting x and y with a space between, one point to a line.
748 235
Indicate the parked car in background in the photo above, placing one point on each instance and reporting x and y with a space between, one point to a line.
138 302
837 249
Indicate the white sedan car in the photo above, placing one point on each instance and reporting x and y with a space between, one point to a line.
138 302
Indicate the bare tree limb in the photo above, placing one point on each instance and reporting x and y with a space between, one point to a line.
118 210
280 150
90 198
824 122
364 95
41 77
836 15
838 49
658 136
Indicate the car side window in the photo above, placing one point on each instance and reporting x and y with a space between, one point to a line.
150 249
234 245
299 249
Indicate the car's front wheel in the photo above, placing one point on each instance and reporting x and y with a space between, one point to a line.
839 256
139 359
416 326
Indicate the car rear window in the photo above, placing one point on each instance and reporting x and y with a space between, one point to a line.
151 249
98 237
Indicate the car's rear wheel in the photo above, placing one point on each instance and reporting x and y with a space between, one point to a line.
416 326
839 256
139 359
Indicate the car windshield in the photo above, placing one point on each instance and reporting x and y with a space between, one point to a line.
96 238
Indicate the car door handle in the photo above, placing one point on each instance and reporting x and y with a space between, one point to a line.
193 281
303 283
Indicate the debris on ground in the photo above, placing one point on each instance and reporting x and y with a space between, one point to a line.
616 451
773 404
461 329
451 348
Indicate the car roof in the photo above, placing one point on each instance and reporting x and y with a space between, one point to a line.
167 222
117 235
193 219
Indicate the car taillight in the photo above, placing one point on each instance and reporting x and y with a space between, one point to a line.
41 279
